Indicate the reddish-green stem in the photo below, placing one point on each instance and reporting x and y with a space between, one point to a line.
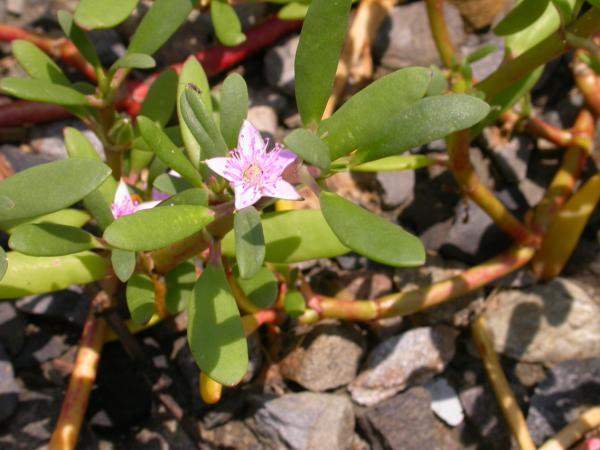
588 82
441 36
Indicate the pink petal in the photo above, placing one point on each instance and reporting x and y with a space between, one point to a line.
285 158
123 205
282 189
246 196
220 166
250 141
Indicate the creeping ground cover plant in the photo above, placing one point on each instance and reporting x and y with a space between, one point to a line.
193 211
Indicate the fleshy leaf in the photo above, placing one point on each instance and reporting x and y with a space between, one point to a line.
37 64
215 331
123 263
49 187
134 61
29 275
294 303
156 228
193 196
249 241
94 14
69 217
3 263
309 147
370 235
169 184
42 91
394 163
79 38
180 284
140 298
50 239
227 24
234 108
521 16
261 289
200 122
160 101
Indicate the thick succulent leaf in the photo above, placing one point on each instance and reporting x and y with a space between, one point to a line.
140 298
521 16
37 64
294 236
159 103
123 263
234 108
199 120
226 22
156 228
215 331
29 275
79 38
319 49
170 184
293 11
69 217
309 147
134 61
261 289
93 14
370 235
50 239
394 164
294 303
363 118
193 196
49 187
3 263
424 121
159 24
249 241
180 284
42 91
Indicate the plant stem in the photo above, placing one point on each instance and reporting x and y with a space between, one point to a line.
464 173
410 302
588 82
68 425
574 431
441 36
506 399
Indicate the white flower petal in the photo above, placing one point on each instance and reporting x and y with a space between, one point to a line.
122 195
147 205
219 166
246 196
283 189
250 142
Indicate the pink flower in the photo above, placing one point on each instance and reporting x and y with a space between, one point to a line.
124 204
253 171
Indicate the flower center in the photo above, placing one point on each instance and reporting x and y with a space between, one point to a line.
253 174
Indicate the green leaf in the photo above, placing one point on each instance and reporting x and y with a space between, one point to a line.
160 101
42 91
319 49
192 72
293 11
173 133
69 217
394 163
215 331
79 38
200 122
159 24
309 147
169 184
37 64
193 196
364 117
261 289
521 16
426 120
167 152
369 235
78 146
133 61
234 108
156 228
180 284
29 275
140 298
3 263
49 187
294 303
227 24
50 239
481 53
438 84
123 263
93 14
294 236
249 241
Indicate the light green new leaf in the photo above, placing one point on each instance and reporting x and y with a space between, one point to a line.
123 263
424 121
234 108
37 64
133 61
93 14
293 11
249 241
309 147
180 284
49 187
140 298
160 144
363 118
319 49
193 196
159 24
69 217
50 239
79 38
156 228
294 236
160 101
42 91
294 303
3 263
370 235
215 331
227 24
394 163
78 146
202 125
29 275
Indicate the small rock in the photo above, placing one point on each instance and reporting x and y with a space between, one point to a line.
279 65
364 284
20 160
529 374
48 139
396 187
411 358
306 421
9 390
234 435
546 323
444 402
39 348
325 358
570 388
511 157
12 327
485 66
108 45
481 13
70 305
15 7
403 422
404 38
264 118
